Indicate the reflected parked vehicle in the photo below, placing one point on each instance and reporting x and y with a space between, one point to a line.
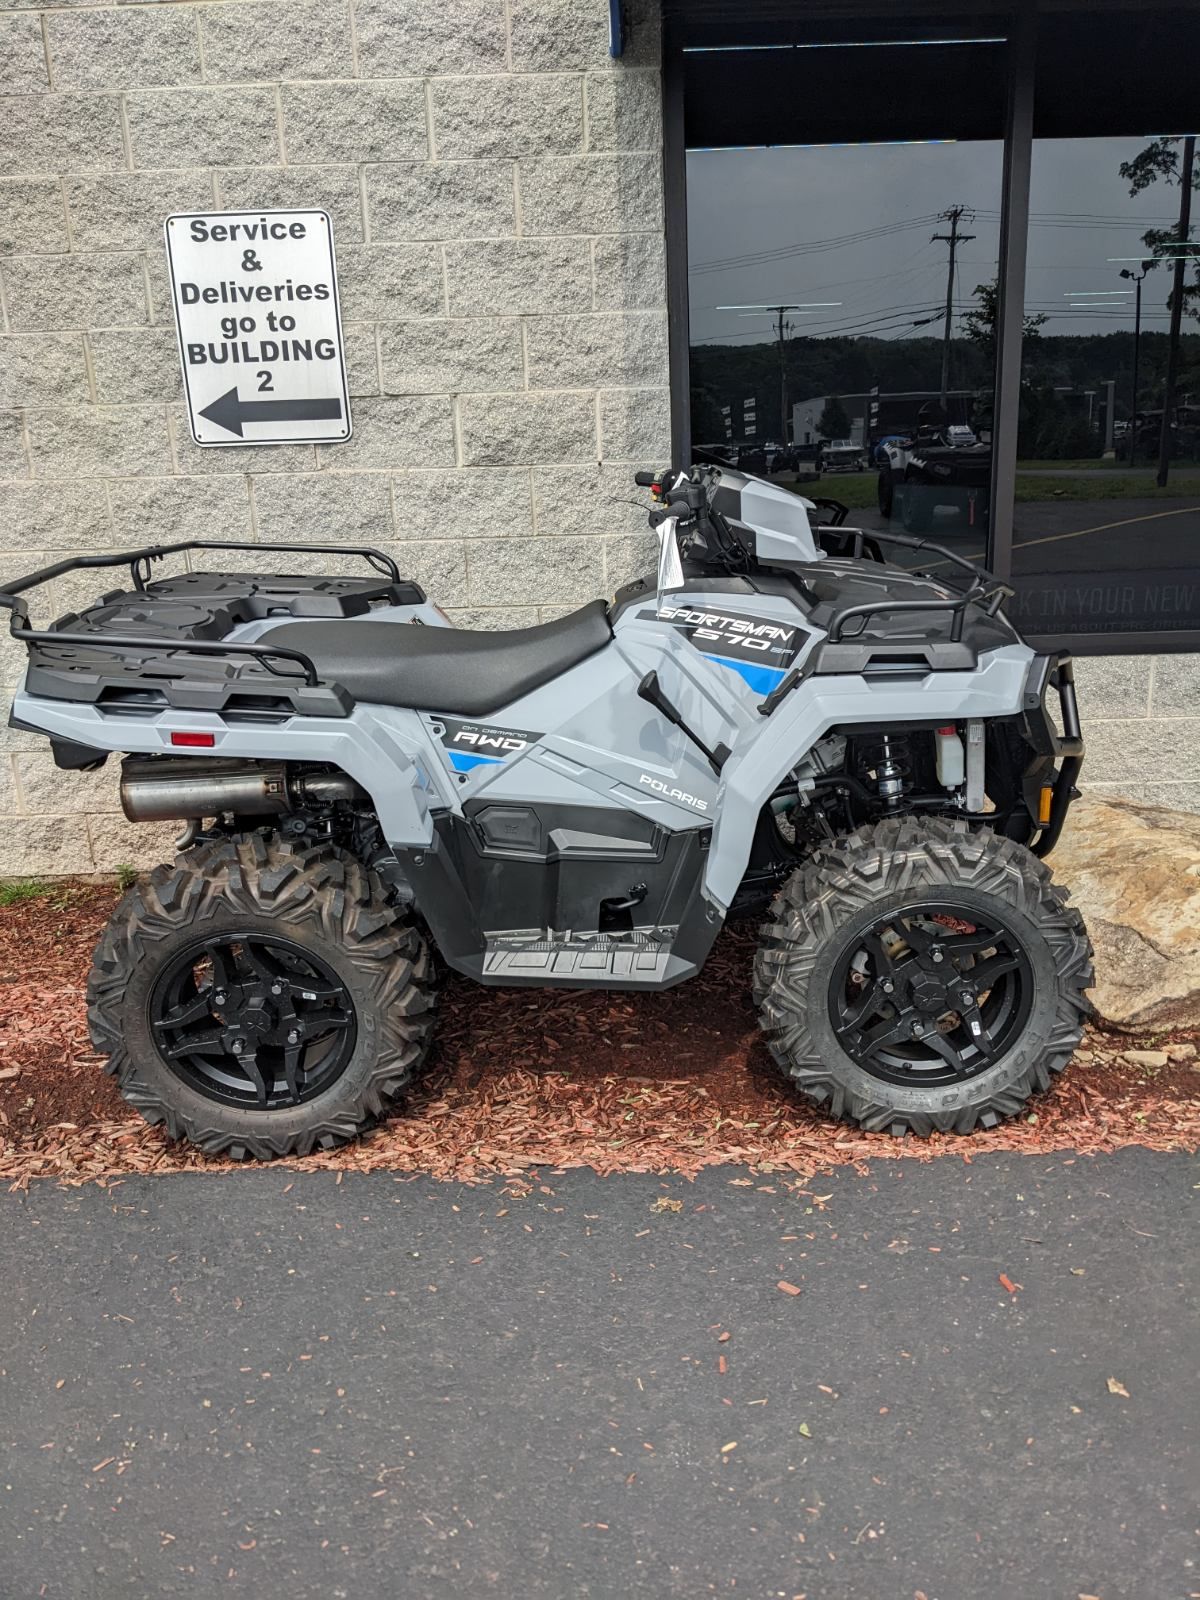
842 455
913 471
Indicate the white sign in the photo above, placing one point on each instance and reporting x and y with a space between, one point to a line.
260 334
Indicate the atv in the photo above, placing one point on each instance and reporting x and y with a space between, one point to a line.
776 724
938 470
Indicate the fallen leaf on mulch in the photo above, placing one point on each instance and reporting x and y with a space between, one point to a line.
1115 1386
663 1204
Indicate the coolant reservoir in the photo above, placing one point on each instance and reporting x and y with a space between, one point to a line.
951 760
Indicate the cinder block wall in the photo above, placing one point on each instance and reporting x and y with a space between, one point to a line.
494 180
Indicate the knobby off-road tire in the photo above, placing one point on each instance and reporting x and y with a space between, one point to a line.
322 904
820 916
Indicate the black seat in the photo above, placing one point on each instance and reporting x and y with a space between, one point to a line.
445 669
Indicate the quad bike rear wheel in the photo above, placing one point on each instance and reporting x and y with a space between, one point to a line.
920 975
261 998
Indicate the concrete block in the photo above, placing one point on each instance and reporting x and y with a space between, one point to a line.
114 842
451 357
43 369
399 39
556 571
630 271
46 788
13 460
35 847
321 506
196 461
53 517
130 47
591 194
33 218
1176 691
332 122
99 442
75 291
382 283
628 558
9 800
1143 750
332 189
624 111
501 277
463 504
493 619
440 568
276 40
1112 686
444 200
511 429
61 133
399 431
131 365
165 510
593 499
203 127
551 35
127 212
635 425
362 358
507 116
597 351
22 56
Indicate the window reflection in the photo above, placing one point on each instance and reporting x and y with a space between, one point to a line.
1099 544
842 334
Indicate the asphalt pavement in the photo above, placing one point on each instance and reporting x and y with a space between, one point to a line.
281 1385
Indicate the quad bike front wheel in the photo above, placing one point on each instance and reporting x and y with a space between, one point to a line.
921 975
261 998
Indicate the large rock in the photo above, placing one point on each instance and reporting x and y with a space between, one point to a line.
1134 872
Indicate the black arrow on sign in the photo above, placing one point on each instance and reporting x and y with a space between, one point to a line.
230 413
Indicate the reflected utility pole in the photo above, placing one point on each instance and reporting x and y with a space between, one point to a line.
782 329
1137 351
1181 260
953 215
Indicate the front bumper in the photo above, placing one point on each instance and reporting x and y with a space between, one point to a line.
1054 752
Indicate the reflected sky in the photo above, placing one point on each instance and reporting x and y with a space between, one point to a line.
853 224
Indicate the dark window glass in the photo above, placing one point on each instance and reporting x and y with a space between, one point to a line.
822 354
1099 545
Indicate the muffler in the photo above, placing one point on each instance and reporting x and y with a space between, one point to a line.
166 788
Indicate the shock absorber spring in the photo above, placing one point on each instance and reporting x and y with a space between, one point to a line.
888 763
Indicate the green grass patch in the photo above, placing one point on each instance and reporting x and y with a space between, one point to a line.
1184 486
17 890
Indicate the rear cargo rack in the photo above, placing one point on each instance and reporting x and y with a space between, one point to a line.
279 660
985 589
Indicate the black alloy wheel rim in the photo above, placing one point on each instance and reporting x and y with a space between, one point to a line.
931 994
252 1021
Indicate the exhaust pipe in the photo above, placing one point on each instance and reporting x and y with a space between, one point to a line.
166 789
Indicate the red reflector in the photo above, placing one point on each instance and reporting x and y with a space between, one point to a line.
950 729
195 741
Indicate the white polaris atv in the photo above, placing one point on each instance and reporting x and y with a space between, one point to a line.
862 753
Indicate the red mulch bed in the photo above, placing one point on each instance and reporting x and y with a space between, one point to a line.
529 1078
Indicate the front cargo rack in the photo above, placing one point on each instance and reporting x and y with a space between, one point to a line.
86 656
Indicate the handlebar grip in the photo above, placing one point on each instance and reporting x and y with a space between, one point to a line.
645 480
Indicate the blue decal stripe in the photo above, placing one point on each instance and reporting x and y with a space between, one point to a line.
759 678
463 763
